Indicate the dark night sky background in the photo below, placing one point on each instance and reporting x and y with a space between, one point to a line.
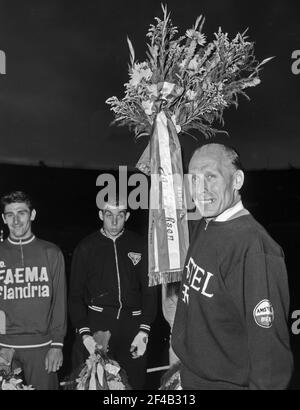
64 58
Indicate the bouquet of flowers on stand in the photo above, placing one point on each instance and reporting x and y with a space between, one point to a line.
184 84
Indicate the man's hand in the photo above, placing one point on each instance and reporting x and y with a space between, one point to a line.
53 359
102 339
139 345
89 343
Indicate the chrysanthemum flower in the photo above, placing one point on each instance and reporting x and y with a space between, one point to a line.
139 71
195 35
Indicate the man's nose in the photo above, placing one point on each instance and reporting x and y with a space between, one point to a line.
202 184
16 219
115 220
205 184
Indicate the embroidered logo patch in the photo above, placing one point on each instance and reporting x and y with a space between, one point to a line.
263 313
135 257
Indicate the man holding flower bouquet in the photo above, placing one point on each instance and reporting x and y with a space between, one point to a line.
109 291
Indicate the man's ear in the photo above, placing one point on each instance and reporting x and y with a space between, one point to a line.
238 179
3 218
101 214
33 215
127 216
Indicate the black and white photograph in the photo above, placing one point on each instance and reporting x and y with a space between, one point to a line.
150 197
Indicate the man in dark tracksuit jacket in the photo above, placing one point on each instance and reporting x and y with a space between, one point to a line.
109 291
32 297
230 329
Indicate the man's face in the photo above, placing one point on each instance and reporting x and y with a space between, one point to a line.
213 181
114 218
18 218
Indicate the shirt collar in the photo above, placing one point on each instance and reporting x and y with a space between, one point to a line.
224 216
21 241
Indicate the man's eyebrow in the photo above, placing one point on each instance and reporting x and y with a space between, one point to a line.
121 211
19 210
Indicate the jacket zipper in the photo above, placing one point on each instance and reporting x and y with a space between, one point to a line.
119 282
22 254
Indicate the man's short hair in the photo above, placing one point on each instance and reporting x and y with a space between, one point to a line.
115 200
16 196
231 153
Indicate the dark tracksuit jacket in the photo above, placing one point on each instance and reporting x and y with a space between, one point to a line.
108 278
32 294
230 329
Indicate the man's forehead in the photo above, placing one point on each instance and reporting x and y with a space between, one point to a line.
16 206
210 155
115 209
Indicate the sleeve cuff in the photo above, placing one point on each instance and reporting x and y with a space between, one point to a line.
57 345
145 328
84 331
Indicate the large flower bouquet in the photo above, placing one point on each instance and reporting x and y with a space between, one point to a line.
99 372
185 83
194 80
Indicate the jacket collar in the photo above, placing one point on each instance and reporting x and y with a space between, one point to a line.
21 241
113 238
230 212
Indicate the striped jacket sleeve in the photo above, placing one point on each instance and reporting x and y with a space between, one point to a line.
149 296
77 305
58 323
